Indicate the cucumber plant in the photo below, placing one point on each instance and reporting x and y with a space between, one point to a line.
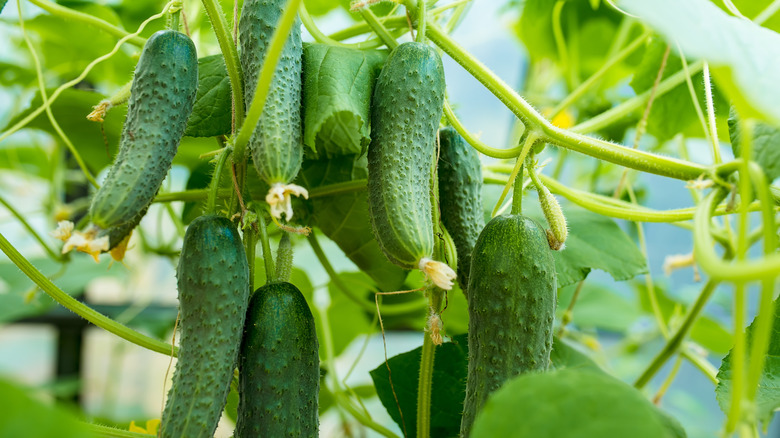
604 125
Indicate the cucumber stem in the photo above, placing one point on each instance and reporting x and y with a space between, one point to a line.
517 193
284 258
424 387
268 258
421 10
211 203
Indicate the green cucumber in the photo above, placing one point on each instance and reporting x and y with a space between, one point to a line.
460 196
277 141
279 366
213 280
405 114
161 100
511 290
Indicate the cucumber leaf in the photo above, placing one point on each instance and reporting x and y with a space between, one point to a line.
450 369
343 217
211 115
571 403
768 396
765 145
743 56
338 83
594 242
22 414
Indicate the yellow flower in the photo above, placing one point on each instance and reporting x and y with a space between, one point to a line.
278 198
151 427
87 242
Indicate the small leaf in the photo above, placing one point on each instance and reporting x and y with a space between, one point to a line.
768 396
337 97
571 403
765 145
211 115
743 55
594 242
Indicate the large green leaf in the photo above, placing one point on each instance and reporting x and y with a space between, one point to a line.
344 217
449 383
571 403
211 115
23 415
594 242
765 145
337 96
745 56
768 396
70 111
673 112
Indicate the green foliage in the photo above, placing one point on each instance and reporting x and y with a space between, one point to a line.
768 396
592 404
337 97
22 415
742 54
211 115
765 145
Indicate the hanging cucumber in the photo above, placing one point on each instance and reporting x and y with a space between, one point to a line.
405 114
279 366
511 290
277 141
460 196
213 281
161 100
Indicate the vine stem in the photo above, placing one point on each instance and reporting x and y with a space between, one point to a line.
673 343
380 30
424 386
53 254
268 257
320 37
70 14
211 203
80 308
272 55
230 53
421 19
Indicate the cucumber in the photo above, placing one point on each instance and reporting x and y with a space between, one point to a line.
279 366
460 196
161 100
277 142
511 289
405 114
213 280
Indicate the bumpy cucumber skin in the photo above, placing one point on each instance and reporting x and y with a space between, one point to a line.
460 196
279 366
213 280
512 288
161 100
405 114
277 142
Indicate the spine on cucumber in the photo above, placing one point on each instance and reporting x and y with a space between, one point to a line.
161 100
279 366
460 196
512 288
406 110
213 281
277 142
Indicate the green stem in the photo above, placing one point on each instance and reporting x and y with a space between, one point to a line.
284 258
517 194
379 28
389 310
192 195
585 86
111 432
320 37
268 257
250 247
174 19
474 141
22 220
80 308
560 43
424 387
211 203
421 18
230 53
674 342
264 79
70 14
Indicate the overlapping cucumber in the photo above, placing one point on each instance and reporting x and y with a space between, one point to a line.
279 366
406 110
512 286
161 100
213 281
